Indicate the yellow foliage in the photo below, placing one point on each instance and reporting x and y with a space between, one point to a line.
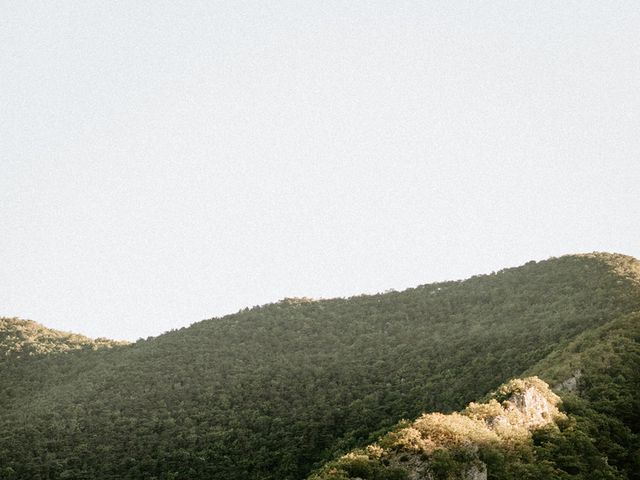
412 440
484 411
526 404
454 430
374 451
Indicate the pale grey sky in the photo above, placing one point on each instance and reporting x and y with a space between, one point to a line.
165 162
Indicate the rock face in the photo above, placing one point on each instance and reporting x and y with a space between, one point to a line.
516 409
526 405
476 472
419 469
531 408
570 384
453 442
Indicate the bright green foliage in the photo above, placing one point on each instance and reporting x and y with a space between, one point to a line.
273 392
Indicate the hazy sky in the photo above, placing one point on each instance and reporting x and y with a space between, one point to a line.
166 162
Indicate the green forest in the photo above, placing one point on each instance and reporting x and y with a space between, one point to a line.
594 433
284 391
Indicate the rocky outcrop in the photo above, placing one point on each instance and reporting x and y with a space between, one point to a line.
417 469
476 471
570 384
518 407
454 441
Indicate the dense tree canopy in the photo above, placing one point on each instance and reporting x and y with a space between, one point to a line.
595 436
272 392
20 338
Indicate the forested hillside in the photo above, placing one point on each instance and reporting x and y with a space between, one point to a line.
20 338
594 436
273 392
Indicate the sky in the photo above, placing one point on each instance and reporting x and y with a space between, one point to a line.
167 162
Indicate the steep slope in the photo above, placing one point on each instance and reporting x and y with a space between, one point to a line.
599 356
271 392
456 445
598 375
519 432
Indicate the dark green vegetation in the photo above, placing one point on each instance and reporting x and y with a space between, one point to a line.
596 436
275 391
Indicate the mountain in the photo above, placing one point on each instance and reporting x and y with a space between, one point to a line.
458 445
524 430
274 392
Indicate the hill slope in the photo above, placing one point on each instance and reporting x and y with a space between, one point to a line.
20 338
519 432
272 392
458 445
